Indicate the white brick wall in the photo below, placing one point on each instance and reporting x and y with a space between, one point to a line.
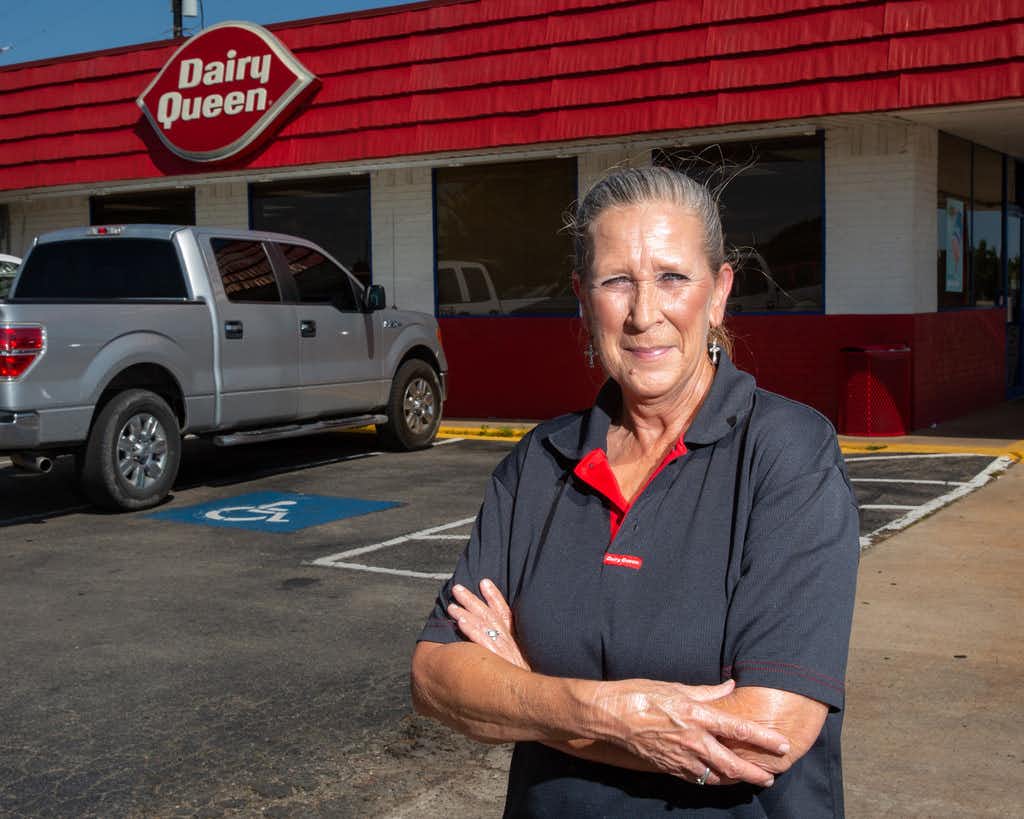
593 165
880 235
402 228
35 216
222 204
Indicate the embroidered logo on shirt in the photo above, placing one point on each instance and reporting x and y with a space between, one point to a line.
628 561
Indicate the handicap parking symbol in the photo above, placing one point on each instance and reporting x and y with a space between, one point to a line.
273 511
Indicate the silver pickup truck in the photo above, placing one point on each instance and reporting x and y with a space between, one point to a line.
116 341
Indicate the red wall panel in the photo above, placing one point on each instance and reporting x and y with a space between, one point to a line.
534 368
474 75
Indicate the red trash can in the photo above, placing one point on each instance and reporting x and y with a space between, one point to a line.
875 388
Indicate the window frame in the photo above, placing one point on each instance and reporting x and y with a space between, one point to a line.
970 278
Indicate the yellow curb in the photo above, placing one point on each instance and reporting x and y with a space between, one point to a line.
1014 450
475 434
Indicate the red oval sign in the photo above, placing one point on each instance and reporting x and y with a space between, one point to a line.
222 90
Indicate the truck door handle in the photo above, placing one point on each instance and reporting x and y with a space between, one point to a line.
307 328
232 329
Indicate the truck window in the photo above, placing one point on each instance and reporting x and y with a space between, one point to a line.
447 286
245 271
103 269
318 279
476 283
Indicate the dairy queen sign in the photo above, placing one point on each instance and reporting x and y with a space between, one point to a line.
223 90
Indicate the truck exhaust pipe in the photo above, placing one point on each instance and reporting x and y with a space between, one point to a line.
39 464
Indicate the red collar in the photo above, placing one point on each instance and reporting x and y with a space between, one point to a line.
595 471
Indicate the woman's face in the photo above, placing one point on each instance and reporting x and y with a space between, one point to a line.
650 298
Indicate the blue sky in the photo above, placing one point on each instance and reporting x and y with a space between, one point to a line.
40 29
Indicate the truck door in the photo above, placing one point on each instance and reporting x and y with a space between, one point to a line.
339 363
258 338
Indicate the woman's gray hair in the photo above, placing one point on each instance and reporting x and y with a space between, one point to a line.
635 186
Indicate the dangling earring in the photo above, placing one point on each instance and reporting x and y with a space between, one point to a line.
713 351
590 353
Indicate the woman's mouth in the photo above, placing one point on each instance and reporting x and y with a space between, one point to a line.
648 353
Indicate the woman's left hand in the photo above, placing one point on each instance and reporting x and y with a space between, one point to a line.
487 622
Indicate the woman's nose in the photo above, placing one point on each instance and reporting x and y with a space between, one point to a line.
645 309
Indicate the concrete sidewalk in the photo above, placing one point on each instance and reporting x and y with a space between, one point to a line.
933 723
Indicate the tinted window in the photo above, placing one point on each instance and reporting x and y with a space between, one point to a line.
504 222
447 286
332 213
771 215
103 269
173 207
319 280
245 271
476 284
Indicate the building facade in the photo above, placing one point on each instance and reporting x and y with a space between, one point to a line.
866 152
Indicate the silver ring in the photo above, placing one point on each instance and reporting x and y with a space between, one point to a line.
494 634
703 777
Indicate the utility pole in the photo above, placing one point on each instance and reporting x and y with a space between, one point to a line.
176 13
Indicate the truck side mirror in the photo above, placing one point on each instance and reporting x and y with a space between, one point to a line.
374 298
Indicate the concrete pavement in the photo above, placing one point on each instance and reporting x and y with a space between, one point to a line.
936 663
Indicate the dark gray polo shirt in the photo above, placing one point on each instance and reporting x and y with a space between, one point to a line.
747 548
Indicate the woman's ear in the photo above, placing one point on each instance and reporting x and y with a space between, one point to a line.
723 286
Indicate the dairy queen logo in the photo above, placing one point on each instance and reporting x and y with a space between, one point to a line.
222 90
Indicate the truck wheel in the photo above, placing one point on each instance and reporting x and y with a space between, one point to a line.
414 408
132 455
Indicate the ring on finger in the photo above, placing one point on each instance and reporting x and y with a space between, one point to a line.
493 633
703 777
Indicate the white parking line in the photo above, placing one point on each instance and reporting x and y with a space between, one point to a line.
1000 464
916 455
906 480
340 560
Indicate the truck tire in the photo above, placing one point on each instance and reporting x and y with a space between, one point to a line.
132 455
414 408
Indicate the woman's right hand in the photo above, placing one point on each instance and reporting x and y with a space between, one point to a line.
677 729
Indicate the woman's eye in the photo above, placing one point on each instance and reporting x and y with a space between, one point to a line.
673 277
617 282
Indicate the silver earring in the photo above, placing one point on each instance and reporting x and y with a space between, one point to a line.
590 353
713 351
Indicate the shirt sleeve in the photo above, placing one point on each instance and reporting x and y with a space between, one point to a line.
486 555
788 625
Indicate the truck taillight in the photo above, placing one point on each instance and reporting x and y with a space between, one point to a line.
20 346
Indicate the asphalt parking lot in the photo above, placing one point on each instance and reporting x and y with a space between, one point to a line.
244 649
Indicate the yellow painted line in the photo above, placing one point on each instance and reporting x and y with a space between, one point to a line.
476 435
1014 450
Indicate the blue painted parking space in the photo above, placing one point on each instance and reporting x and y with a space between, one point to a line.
273 511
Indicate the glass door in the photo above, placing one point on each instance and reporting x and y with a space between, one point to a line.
1014 315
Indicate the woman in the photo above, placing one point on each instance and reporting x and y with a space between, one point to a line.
679 561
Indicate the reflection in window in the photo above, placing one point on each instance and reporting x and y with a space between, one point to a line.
333 213
245 271
169 207
500 246
771 215
318 279
987 242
